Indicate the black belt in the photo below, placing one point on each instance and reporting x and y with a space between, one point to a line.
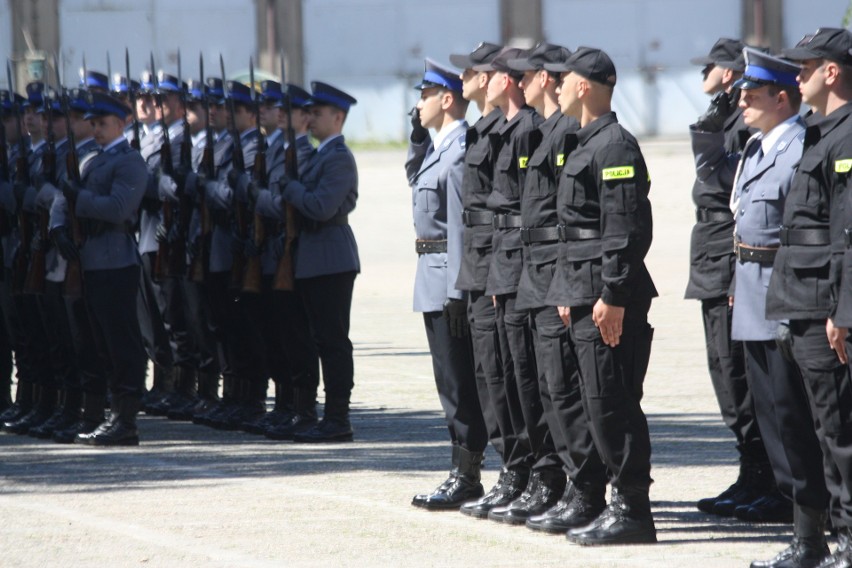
804 237
311 225
477 218
704 215
423 246
507 221
539 234
576 233
749 254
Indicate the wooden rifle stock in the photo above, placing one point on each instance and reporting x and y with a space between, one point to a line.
163 260
34 283
285 278
253 280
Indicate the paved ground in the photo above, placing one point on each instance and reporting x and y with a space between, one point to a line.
190 496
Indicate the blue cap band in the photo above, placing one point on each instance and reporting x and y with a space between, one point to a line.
764 75
439 79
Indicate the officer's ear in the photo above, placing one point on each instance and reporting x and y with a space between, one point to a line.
727 76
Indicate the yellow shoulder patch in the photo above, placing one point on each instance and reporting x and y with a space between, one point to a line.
619 172
843 166
522 162
560 160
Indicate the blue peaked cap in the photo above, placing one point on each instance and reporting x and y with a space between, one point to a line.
763 69
325 94
437 75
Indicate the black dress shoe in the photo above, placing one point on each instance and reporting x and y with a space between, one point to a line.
14 413
578 507
624 521
290 428
771 508
509 487
267 421
421 499
328 430
114 432
60 420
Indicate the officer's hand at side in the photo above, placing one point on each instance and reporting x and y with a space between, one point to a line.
564 314
720 109
608 320
837 339
455 311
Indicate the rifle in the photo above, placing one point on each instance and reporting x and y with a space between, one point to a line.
238 163
253 278
134 143
163 260
34 283
177 254
201 261
73 285
285 278
5 170
22 177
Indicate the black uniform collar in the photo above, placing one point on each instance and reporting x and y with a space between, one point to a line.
826 124
588 131
516 120
549 124
488 121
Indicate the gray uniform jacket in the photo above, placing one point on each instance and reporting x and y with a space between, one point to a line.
760 191
220 198
435 178
270 204
324 195
115 182
152 152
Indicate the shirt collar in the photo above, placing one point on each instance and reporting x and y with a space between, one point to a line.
586 133
327 140
770 138
442 134
273 137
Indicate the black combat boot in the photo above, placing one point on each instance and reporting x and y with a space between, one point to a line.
540 495
281 413
66 415
579 506
120 429
754 481
304 417
181 402
509 487
771 508
808 547
479 509
163 386
464 487
626 520
421 499
91 418
842 557
22 405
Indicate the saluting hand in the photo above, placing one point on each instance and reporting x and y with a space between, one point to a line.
608 319
837 339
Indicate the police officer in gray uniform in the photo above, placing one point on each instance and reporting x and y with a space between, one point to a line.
770 101
108 201
327 255
435 168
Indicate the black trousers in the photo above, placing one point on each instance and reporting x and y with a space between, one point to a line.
111 298
612 387
498 392
294 357
176 318
62 359
151 307
726 363
452 364
782 410
197 314
829 388
328 303
226 322
91 365
11 329
562 400
514 325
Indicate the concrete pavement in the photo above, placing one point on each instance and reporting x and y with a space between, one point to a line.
191 496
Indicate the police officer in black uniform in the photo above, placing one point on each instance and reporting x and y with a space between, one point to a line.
806 282
604 291
711 276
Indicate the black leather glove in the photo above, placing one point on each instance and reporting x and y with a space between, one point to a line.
784 340
418 133
69 188
278 245
179 175
251 249
63 243
234 177
455 311
722 106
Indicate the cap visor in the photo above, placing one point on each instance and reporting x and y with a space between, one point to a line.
521 65
747 84
557 67
800 54
705 60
